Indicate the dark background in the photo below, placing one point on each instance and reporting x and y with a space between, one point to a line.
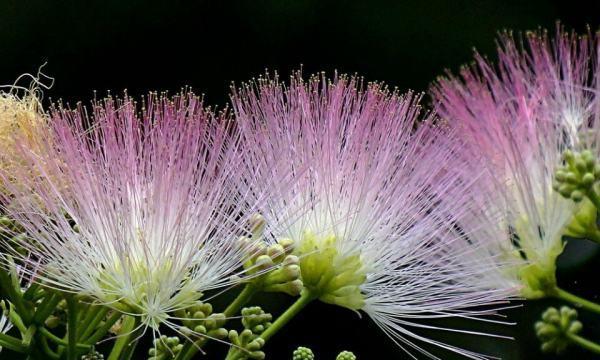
143 45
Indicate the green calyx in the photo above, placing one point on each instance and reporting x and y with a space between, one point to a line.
149 285
334 278
538 281
538 277
556 328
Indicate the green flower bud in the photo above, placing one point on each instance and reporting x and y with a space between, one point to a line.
288 245
257 225
555 327
276 252
93 355
52 321
220 333
577 195
346 355
303 353
165 348
264 262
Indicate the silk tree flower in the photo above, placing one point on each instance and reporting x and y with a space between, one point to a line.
364 207
144 212
519 117
21 116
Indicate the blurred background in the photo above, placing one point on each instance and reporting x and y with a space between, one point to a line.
144 45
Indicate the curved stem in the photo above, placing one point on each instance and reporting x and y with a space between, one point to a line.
123 343
592 194
50 336
242 299
12 343
305 298
576 300
46 348
190 349
584 343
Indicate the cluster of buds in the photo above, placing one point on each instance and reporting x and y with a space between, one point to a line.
246 345
199 319
579 174
255 319
346 355
165 348
279 268
303 353
555 328
93 355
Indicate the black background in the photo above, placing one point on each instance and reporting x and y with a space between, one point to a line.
143 45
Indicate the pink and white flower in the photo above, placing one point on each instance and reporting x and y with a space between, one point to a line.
134 206
518 118
369 171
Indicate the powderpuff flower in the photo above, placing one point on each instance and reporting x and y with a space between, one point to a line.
518 118
364 206
21 116
144 217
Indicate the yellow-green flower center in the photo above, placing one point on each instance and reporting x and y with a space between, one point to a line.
539 276
333 277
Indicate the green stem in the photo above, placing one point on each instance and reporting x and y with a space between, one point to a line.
49 353
28 335
12 343
191 348
71 327
594 197
576 300
15 296
242 299
130 323
50 336
92 320
30 292
305 298
584 343
102 330
46 308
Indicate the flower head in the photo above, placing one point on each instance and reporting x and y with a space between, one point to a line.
364 205
518 118
144 217
21 117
